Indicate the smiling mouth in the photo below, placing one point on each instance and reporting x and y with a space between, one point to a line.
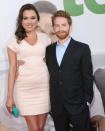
29 26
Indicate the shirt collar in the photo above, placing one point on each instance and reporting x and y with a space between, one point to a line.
64 44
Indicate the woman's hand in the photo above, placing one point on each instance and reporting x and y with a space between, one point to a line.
9 103
44 59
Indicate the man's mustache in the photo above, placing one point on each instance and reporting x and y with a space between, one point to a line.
60 32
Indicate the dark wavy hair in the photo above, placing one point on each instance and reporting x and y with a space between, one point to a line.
20 31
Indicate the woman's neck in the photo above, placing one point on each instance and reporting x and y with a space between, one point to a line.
31 33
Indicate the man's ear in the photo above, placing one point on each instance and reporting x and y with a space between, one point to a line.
70 27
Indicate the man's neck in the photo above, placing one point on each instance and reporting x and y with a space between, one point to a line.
62 41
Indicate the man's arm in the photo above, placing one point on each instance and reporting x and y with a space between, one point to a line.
87 73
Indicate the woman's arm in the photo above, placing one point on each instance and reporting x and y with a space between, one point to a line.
11 79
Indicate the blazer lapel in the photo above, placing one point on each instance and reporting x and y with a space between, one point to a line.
54 55
69 49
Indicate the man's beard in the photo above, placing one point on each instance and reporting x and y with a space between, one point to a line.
62 34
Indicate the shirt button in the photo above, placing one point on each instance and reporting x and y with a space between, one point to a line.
60 71
60 82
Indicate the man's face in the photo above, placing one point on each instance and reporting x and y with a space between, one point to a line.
46 25
61 27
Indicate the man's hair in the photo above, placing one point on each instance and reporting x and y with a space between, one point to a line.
45 7
61 13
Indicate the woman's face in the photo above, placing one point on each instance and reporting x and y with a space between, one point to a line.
29 21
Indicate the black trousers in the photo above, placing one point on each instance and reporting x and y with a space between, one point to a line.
80 122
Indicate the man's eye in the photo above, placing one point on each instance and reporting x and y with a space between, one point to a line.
52 33
56 25
64 24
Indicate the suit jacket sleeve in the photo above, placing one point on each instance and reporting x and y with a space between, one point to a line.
87 73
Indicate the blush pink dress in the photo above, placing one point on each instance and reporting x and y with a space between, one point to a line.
32 84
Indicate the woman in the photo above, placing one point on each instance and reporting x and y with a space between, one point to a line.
32 88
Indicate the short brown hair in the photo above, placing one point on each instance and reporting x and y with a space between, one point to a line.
61 13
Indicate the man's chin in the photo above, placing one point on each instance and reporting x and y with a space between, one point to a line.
61 37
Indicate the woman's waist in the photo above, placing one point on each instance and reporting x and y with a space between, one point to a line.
31 59
33 68
33 77
36 64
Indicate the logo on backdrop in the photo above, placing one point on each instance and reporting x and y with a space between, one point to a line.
77 10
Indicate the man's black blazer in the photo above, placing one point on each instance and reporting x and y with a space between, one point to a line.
71 84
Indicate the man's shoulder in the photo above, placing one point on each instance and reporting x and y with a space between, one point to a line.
51 46
79 44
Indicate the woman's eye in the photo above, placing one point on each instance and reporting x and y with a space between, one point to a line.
25 18
33 18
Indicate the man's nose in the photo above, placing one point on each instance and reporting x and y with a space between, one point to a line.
60 28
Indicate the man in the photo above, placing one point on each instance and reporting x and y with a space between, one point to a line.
71 80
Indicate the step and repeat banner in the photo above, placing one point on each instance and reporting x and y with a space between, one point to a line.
88 26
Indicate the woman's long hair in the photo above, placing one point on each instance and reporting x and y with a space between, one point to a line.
20 31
